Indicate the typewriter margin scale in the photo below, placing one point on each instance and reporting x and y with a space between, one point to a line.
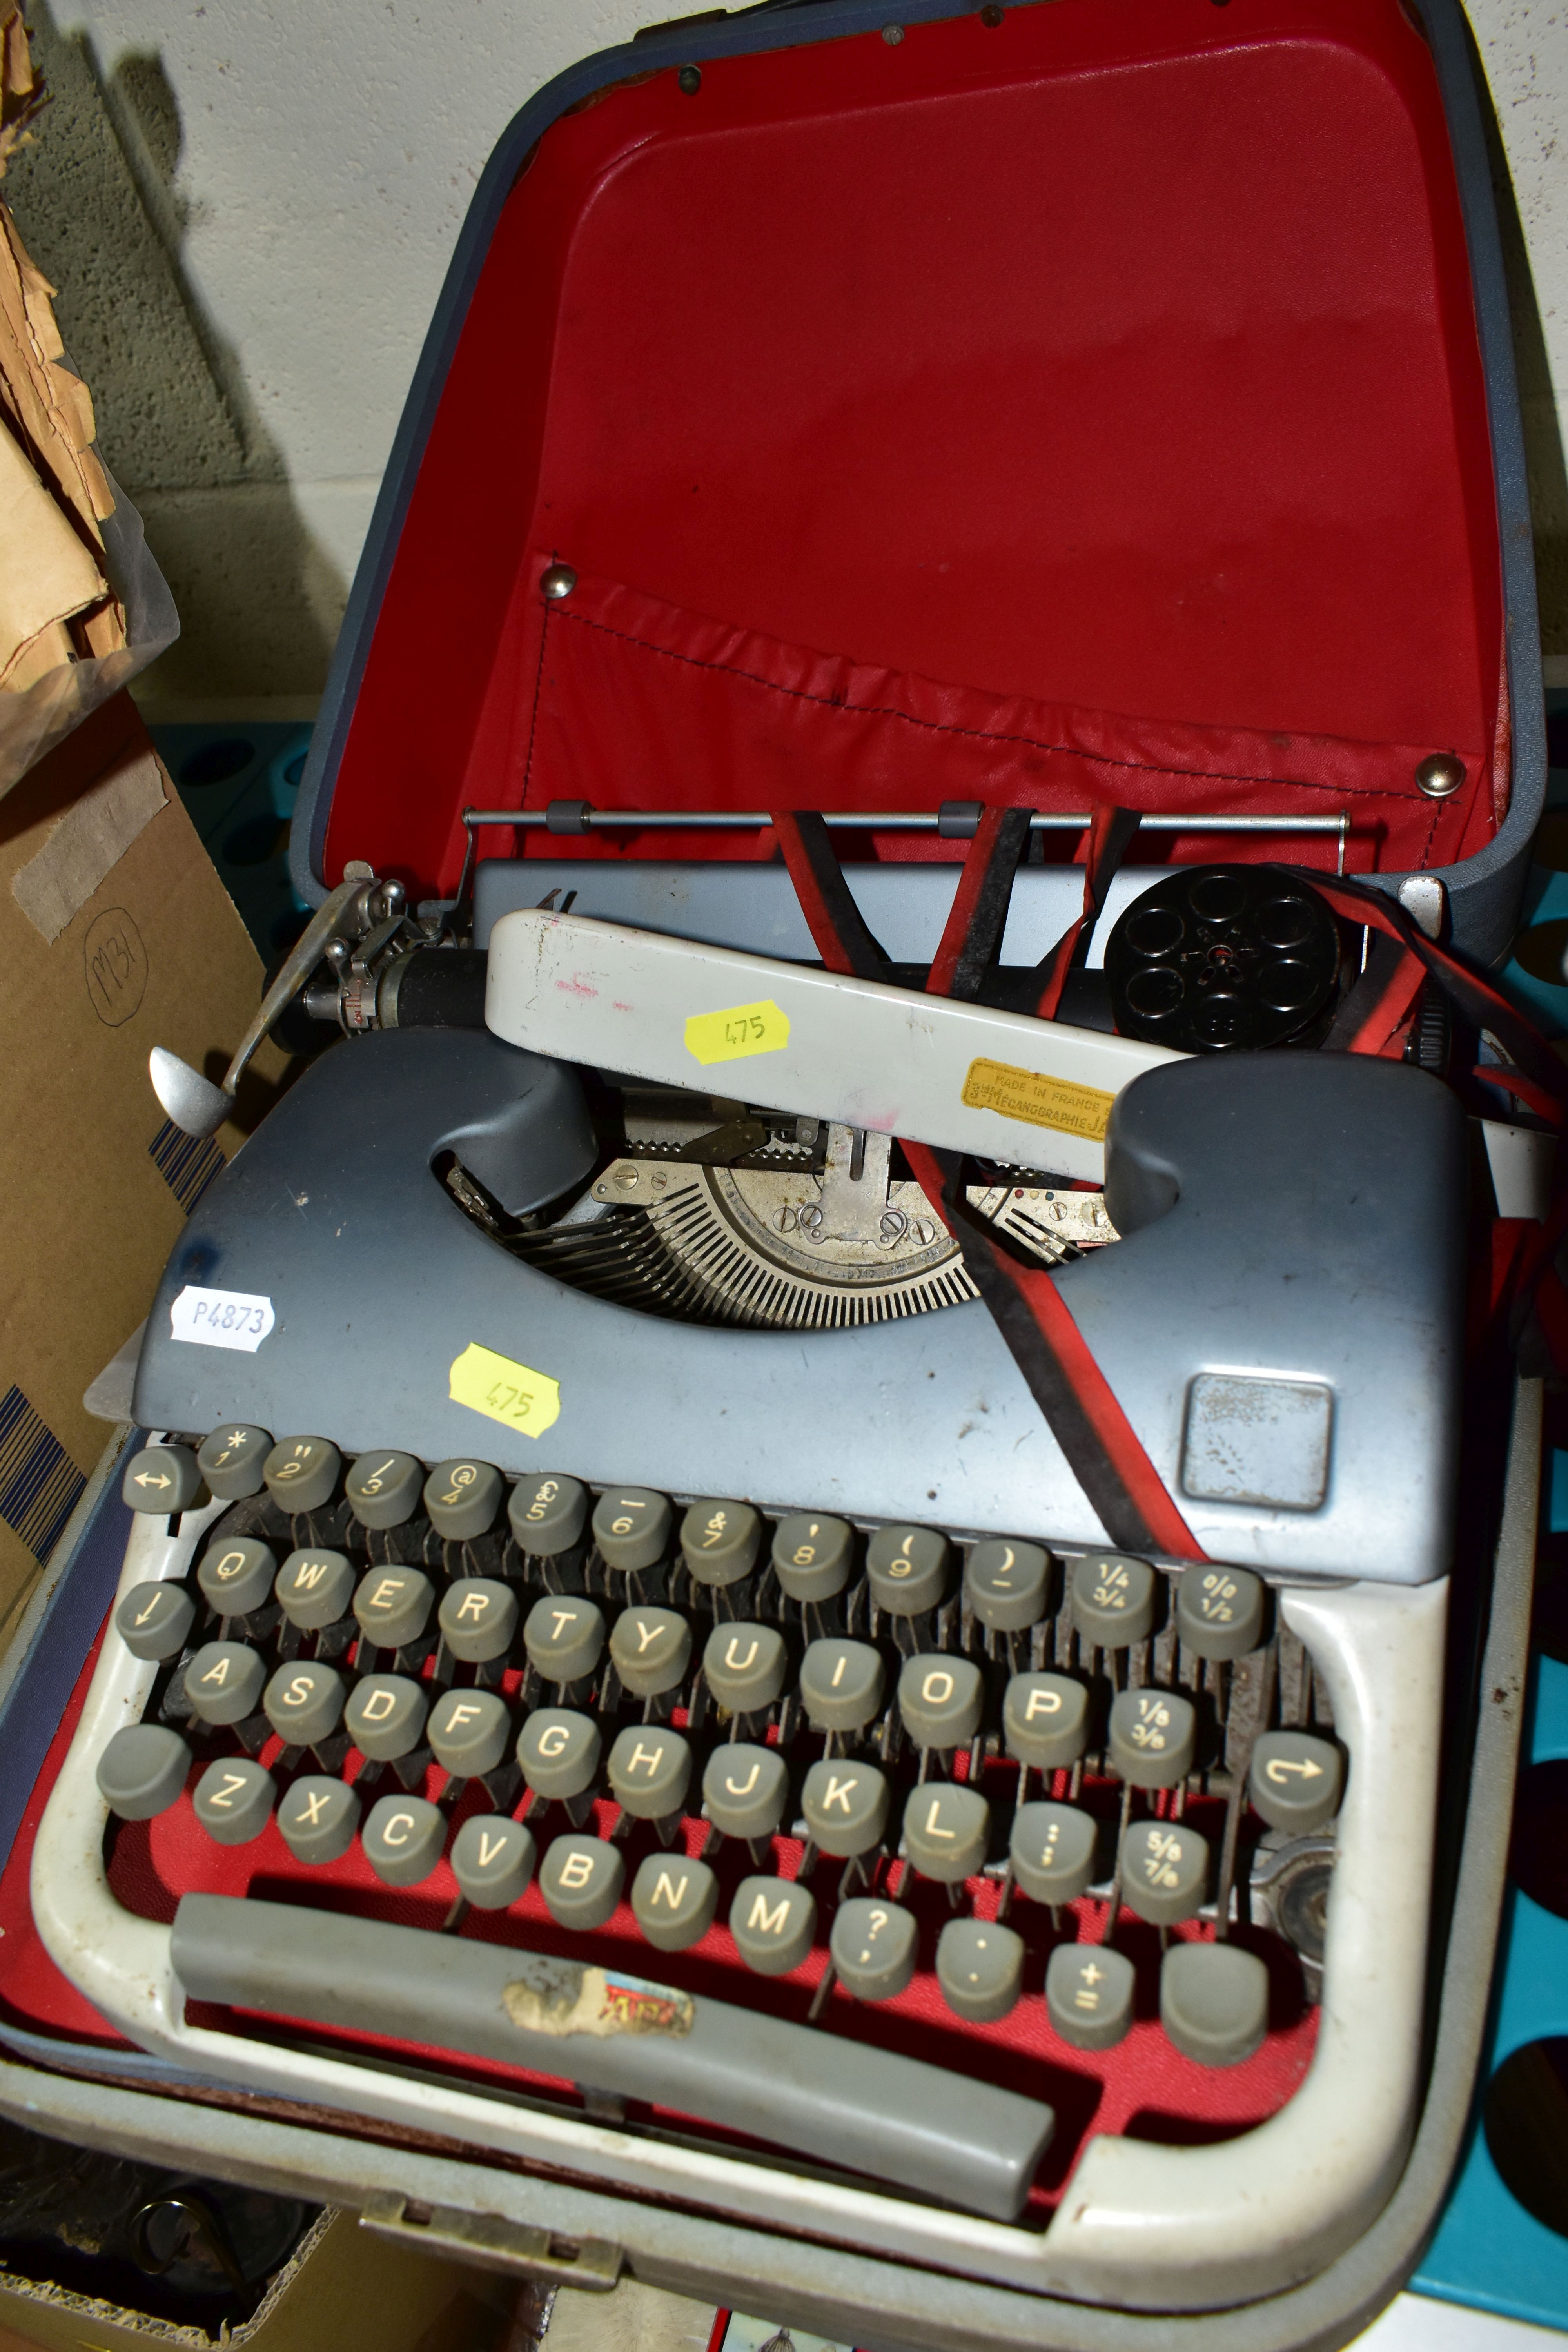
837 2287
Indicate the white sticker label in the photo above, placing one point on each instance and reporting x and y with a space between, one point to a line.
221 1319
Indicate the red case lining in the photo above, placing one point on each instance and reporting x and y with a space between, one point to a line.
1121 357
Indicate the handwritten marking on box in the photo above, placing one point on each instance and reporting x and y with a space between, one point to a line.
505 1390
1038 1100
738 1030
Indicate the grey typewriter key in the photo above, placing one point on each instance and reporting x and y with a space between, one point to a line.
745 1666
1052 1850
478 1618
403 1839
650 1649
469 1731
301 1473
720 1541
1219 1611
318 1818
650 1771
315 1588
980 1968
153 1620
674 1900
304 1704
873 1947
234 1801
1089 1995
565 1637
744 1789
907 1570
1005 1584
845 1806
1045 1721
232 1459
493 1860
841 1685
559 1752
162 1478
1152 1735
463 1498
383 1487
631 1527
580 1879
142 1771
1213 2002
224 1680
1113 1600
1164 1872
547 1515
941 1699
392 1606
945 1831
238 1577
773 1922
385 1717
1295 1779
812 1555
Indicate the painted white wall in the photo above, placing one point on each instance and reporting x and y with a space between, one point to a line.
330 153
329 157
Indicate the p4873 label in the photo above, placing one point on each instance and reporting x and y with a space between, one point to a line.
221 1319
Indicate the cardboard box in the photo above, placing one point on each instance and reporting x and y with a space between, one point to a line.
342 2291
116 935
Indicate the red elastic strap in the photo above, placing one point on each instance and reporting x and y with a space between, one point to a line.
1480 1001
979 911
1110 832
1384 1019
834 920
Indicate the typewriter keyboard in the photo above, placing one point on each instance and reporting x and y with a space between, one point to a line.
896 1796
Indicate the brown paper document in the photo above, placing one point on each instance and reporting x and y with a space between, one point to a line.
56 601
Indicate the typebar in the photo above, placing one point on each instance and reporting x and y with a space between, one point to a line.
849 2107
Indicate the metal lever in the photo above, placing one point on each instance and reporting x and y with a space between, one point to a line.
198 1107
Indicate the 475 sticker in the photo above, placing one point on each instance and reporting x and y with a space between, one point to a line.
505 1390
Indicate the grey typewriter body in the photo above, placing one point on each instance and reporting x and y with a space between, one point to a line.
1290 1224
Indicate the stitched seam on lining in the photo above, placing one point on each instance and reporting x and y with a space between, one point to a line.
977 734
538 692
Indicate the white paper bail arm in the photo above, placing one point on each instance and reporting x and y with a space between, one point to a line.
964 1077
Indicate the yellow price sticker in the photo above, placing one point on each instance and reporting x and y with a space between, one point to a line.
1040 1101
505 1390
737 1030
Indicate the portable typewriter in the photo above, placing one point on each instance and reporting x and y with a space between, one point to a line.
799 1547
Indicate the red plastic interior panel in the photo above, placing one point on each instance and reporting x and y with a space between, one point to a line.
1105 378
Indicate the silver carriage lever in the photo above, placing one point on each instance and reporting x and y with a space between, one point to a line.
198 1107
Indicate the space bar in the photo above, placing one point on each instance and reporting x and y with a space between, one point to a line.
847 2106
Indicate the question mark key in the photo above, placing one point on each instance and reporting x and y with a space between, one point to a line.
873 1947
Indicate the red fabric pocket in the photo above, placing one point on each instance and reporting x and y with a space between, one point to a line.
639 704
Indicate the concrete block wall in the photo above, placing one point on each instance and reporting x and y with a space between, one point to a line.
248 207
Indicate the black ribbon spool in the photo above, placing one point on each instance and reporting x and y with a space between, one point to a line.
1220 959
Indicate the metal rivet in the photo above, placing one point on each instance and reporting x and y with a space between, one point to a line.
557 581
991 15
892 35
1440 776
690 79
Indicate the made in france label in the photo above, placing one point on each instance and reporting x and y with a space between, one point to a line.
221 1319
1038 1100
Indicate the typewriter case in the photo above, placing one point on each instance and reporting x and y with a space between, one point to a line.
1052 404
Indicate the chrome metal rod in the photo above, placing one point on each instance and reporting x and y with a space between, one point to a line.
594 819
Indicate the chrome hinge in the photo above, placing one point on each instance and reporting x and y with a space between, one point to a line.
493 2243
